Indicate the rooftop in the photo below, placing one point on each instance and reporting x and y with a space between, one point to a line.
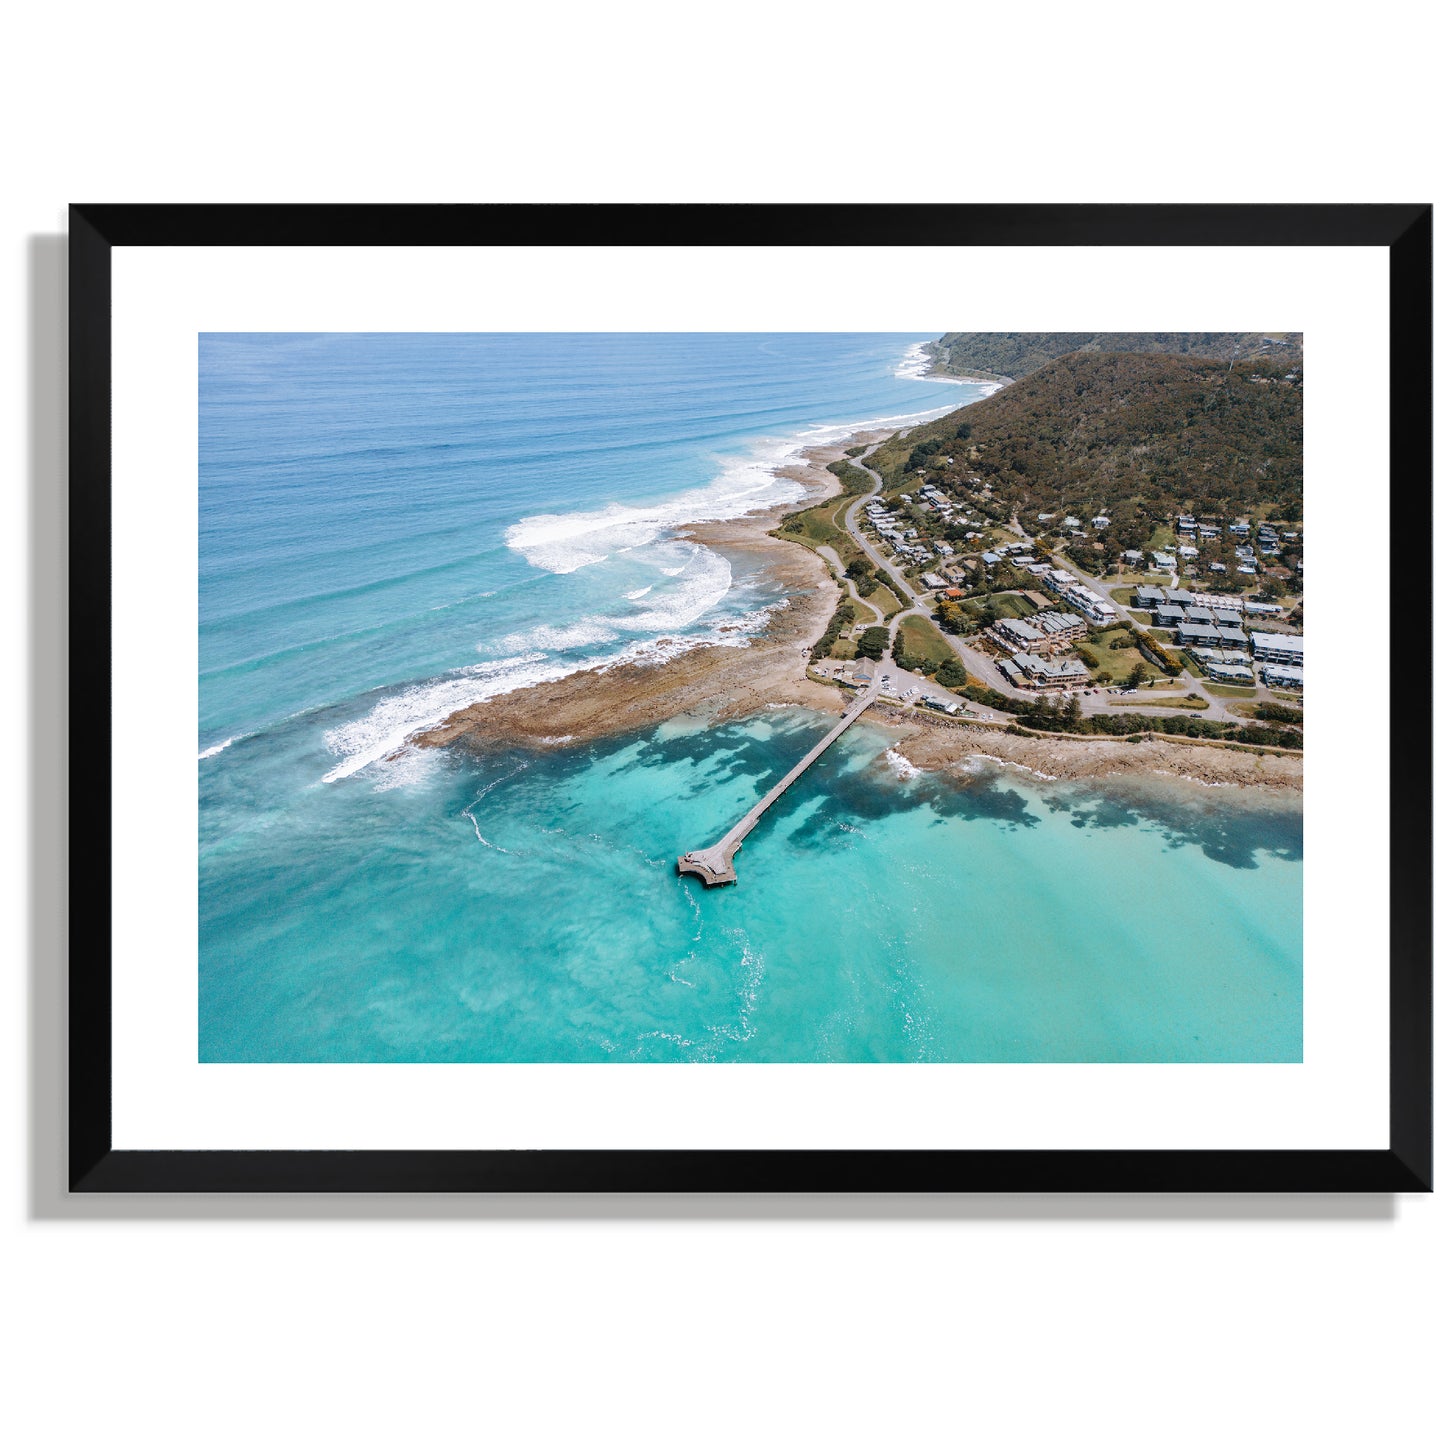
1049 667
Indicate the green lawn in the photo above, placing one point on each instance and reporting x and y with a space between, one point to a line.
822 526
885 600
1223 689
922 639
1115 667
1126 582
1143 699
1006 604
1012 604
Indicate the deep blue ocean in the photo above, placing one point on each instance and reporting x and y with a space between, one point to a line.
395 526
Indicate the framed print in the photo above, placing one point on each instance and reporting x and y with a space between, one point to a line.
750 698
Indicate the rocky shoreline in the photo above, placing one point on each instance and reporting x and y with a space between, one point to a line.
707 684
932 747
721 683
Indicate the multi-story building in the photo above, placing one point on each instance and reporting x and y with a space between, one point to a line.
1044 673
1059 628
1278 647
1216 601
1276 674
1099 612
1014 635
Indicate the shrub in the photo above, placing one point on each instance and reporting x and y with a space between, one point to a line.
842 617
1275 712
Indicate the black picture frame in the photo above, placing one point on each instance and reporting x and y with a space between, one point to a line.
95 1166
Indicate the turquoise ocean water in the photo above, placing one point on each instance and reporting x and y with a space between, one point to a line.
396 526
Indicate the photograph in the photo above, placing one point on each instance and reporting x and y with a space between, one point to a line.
738 697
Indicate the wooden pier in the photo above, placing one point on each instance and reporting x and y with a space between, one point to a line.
714 865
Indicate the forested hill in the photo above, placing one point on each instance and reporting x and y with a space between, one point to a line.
1135 436
1014 354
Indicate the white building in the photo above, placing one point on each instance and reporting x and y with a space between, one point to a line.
1278 647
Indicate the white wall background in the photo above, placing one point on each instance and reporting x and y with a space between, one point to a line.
1002 1319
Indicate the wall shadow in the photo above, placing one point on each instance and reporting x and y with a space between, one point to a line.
47 722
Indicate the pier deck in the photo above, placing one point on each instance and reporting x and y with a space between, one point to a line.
714 865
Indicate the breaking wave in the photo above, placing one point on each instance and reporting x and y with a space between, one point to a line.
653 623
914 367
563 542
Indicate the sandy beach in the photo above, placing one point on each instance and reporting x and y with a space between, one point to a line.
713 684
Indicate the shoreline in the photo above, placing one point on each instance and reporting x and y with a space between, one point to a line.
712 682
918 365
932 747
715 683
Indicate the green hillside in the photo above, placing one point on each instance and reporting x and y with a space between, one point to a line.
1014 354
1138 436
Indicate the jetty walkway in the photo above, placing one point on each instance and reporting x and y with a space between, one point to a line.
715 865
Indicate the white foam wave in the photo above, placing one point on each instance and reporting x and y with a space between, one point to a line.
414 765
914 367
639 594
701 584
400 715
1008 763
383 732
566 541
587 632
901 766
211 752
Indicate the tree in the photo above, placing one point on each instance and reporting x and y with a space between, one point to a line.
1137 675
1045 712
951 674
1073 715
873 643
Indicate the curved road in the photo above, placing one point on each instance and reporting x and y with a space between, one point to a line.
848 582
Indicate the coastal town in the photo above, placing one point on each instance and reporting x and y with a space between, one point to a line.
957 607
